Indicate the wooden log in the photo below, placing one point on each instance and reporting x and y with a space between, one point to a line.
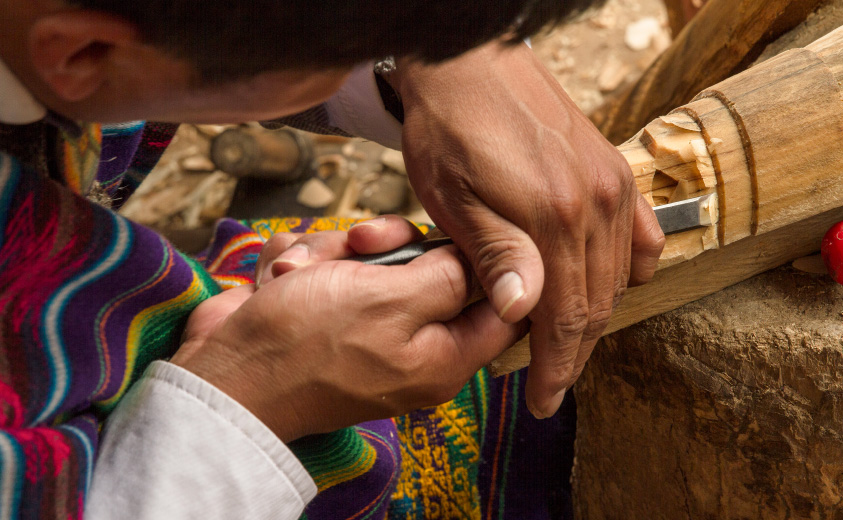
680 12
824 20
282 155
720 41
769 144
732 404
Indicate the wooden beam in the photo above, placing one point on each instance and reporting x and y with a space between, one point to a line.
769 143
680 12
723 39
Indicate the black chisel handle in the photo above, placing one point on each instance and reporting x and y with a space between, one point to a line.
403 254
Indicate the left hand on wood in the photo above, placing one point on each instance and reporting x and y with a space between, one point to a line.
543 206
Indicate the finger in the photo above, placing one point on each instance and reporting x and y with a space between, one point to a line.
558 326
647 244
505 258
433 287
272 249
606 284
623 251
480 336
310 249
451 353
607 260
382 234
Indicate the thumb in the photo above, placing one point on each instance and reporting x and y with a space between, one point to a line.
506 260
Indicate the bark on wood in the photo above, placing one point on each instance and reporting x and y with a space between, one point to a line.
768 143
730 408
680 12
826 19
721 40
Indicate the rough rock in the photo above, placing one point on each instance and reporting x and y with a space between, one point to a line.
730 407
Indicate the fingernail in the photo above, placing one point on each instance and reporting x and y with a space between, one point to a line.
265 276
551 408
297 255
375 223
507 290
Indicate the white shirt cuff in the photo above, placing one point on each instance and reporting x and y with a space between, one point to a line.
358 109
177 447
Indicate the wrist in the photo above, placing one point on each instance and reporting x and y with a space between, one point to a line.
412 76
220 368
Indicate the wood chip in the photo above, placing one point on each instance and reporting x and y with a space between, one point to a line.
394 160
197 163
810 264
640 35
613 75
315 194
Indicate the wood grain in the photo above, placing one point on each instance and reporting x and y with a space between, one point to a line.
723 39
772 150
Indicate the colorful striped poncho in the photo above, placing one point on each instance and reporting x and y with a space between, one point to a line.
89 299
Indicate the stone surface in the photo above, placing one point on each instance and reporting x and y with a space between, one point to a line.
730 407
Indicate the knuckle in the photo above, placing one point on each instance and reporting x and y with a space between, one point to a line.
609 194
574 319
599 317
620 289
576 372
275 245
567 208
454 277
493 253
562 373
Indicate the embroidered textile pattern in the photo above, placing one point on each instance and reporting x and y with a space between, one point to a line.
89 299
480 456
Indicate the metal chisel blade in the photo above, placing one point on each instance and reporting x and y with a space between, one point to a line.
686 214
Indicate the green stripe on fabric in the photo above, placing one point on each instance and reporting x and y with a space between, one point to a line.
334 458
480 392
513 417
162 334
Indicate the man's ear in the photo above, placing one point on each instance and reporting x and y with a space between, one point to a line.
70 50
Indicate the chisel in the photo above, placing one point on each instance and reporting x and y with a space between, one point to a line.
673 218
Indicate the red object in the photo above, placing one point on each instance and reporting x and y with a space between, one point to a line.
832 252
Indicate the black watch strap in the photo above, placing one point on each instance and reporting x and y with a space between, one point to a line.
390 98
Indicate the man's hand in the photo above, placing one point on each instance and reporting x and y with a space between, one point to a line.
325 344
545 209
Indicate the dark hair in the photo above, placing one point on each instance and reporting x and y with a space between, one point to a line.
228 39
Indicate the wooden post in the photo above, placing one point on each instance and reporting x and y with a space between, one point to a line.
769 144
723 39
680 12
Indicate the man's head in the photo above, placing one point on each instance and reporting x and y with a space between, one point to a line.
225 61
230 39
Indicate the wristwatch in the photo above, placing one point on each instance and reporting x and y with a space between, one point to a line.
390 98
